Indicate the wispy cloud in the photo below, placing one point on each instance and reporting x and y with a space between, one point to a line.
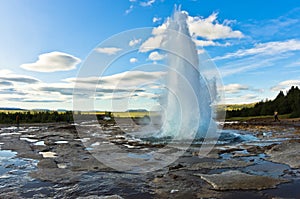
247 64
284 26
156 56
108 50
5 83
269 48
235 88
130 84
147 3
130 9
156 19
124 80
11 77
53 61
134 42
293 64
285 85
137 3
204 43
242 99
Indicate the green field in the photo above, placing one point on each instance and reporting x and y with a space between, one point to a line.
230 107
286 116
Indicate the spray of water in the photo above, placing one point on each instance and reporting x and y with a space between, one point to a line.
187 100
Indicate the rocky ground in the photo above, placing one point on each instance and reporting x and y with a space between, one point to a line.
56 161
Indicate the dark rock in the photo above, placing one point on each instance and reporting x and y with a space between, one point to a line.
236 180
47 163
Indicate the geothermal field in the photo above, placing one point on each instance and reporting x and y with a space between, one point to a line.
184 148
250 160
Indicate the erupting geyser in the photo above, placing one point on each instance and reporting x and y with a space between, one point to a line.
187 101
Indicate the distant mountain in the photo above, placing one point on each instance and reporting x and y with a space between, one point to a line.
137 110
11 109
40 109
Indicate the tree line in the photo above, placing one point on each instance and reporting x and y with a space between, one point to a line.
283 104
35 117
48 117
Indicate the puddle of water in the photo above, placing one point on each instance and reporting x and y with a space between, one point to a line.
40 143
139 156
5 176
11 133
62 165
85 139
266 168
95 144
129 146
28 136
288 190
7 154
29 139
61 142
48 154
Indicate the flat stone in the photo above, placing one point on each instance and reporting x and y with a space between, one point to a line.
220 164
286 153
56 175
101 197
47 163
236 180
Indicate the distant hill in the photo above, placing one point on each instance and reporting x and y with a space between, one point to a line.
11 109
137 110
40 109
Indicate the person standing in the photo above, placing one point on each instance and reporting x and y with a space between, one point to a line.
276 119
18 121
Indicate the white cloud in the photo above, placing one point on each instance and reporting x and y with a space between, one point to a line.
53 61
108 50
156 19
285 85
155 41
161 29
5 72
155 56
243 99
129 10
269 48
133 60
203 43
235 88
209 28
8 76
131 78
134 42
151 43
147 3
125 80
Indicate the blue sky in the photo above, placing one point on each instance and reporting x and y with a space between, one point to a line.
43 45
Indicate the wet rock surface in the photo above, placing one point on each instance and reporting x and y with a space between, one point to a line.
286 153
236 180
56 161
